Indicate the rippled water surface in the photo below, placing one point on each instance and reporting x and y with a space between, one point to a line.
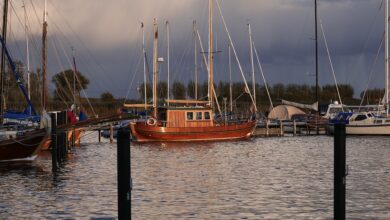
271 178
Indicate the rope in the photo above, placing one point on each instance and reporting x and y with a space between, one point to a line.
132 80
262 74
207 67
59 86
331 64
371 72
80 40
235 53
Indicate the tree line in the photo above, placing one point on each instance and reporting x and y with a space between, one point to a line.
291 92
64 85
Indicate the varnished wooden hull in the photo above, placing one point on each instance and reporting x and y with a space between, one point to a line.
148 133
23 147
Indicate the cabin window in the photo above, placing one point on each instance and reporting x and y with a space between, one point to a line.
360 117
207 115
190 116
199 116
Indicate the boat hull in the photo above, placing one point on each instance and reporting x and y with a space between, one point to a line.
383 129
148 133
26 146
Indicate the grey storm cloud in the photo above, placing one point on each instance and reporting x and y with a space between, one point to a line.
106 35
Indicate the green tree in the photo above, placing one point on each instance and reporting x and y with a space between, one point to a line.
36 88
178 90
64 82
162 89
107 97
204 89
372 96
141 91
329 92
191 90
12 92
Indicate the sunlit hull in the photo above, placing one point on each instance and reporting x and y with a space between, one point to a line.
45 145
148 133
380 129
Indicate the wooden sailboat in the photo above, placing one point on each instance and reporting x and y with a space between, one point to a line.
188 120
25 144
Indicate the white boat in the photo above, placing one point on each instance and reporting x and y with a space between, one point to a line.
335 108
368 119
366 123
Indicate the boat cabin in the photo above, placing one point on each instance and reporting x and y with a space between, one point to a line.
335 109
186 117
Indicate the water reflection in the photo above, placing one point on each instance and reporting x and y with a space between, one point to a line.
276 178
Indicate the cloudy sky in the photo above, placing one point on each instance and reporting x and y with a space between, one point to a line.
106 36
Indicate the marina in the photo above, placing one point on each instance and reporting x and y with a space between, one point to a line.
253 179
192 123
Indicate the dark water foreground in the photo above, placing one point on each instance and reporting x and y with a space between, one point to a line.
272 178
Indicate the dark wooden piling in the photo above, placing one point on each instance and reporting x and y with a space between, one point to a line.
339 171
54 153
124 174
61 141
66 142
63 136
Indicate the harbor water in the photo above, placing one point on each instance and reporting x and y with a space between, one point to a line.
262 178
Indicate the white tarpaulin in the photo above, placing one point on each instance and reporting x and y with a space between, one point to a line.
284 112
314 106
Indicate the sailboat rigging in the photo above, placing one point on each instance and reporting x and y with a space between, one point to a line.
188 120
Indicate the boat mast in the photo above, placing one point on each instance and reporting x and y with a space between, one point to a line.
196 61
316 39
211 83
167 27
155 68
252 64
230 80
144 54
44 55
27 53
74 77
387 55
4 33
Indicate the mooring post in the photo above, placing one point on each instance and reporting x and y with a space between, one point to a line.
294 128
339 171
111 133
66 140
54 154
59 137
64 137
124 174
100 134
281 128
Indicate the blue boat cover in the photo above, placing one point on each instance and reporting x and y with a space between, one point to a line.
21 116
